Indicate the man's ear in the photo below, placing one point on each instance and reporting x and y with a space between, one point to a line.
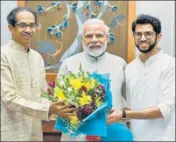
159 36
11 28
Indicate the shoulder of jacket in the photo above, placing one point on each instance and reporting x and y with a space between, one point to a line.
5 49
34 52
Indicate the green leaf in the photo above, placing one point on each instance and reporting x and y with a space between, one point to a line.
57 82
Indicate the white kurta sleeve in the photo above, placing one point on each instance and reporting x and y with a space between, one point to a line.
167 97
124 95
62 70
128 104
13 101
43 83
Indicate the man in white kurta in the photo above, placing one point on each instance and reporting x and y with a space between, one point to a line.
104 63
23 81
150 81
153 84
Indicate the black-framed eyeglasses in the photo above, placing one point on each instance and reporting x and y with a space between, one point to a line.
24 25
148 35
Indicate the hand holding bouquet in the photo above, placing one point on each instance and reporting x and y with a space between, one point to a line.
89 93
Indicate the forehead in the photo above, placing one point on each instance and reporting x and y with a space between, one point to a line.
25 16
144 27
94 28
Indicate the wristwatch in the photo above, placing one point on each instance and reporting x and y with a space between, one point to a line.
123 114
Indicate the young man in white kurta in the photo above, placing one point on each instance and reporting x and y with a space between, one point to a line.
152 84
150 81
105 63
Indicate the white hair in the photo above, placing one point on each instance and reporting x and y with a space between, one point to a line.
94 21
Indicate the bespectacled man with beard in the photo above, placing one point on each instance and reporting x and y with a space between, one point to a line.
95 58
23 81
150 81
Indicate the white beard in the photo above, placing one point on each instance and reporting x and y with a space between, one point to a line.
95 52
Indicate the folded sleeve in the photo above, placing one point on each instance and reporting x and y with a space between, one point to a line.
167 97
14 102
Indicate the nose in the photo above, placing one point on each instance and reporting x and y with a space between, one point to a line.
94 39
143 37
28 29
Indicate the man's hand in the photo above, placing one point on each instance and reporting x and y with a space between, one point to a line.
115 116
61 109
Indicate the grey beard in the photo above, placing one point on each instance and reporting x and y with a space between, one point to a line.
87 50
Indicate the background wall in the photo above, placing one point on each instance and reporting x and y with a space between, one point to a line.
164 10
6 7
55 50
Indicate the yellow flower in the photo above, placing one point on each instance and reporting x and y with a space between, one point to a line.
87 85
90 84
74 120
59 94
76 83
85 99
93 82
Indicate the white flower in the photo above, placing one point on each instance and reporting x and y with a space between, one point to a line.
69 89
62 83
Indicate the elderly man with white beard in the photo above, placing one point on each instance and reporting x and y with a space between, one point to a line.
95 58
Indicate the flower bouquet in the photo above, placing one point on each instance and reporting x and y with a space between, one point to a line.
90 94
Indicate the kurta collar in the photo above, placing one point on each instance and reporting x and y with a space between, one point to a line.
152 59
17 46
94 60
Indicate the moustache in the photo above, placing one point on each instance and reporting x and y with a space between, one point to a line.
27 34
91 46
143 42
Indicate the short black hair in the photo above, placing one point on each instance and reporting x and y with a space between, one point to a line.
147 19
11 18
